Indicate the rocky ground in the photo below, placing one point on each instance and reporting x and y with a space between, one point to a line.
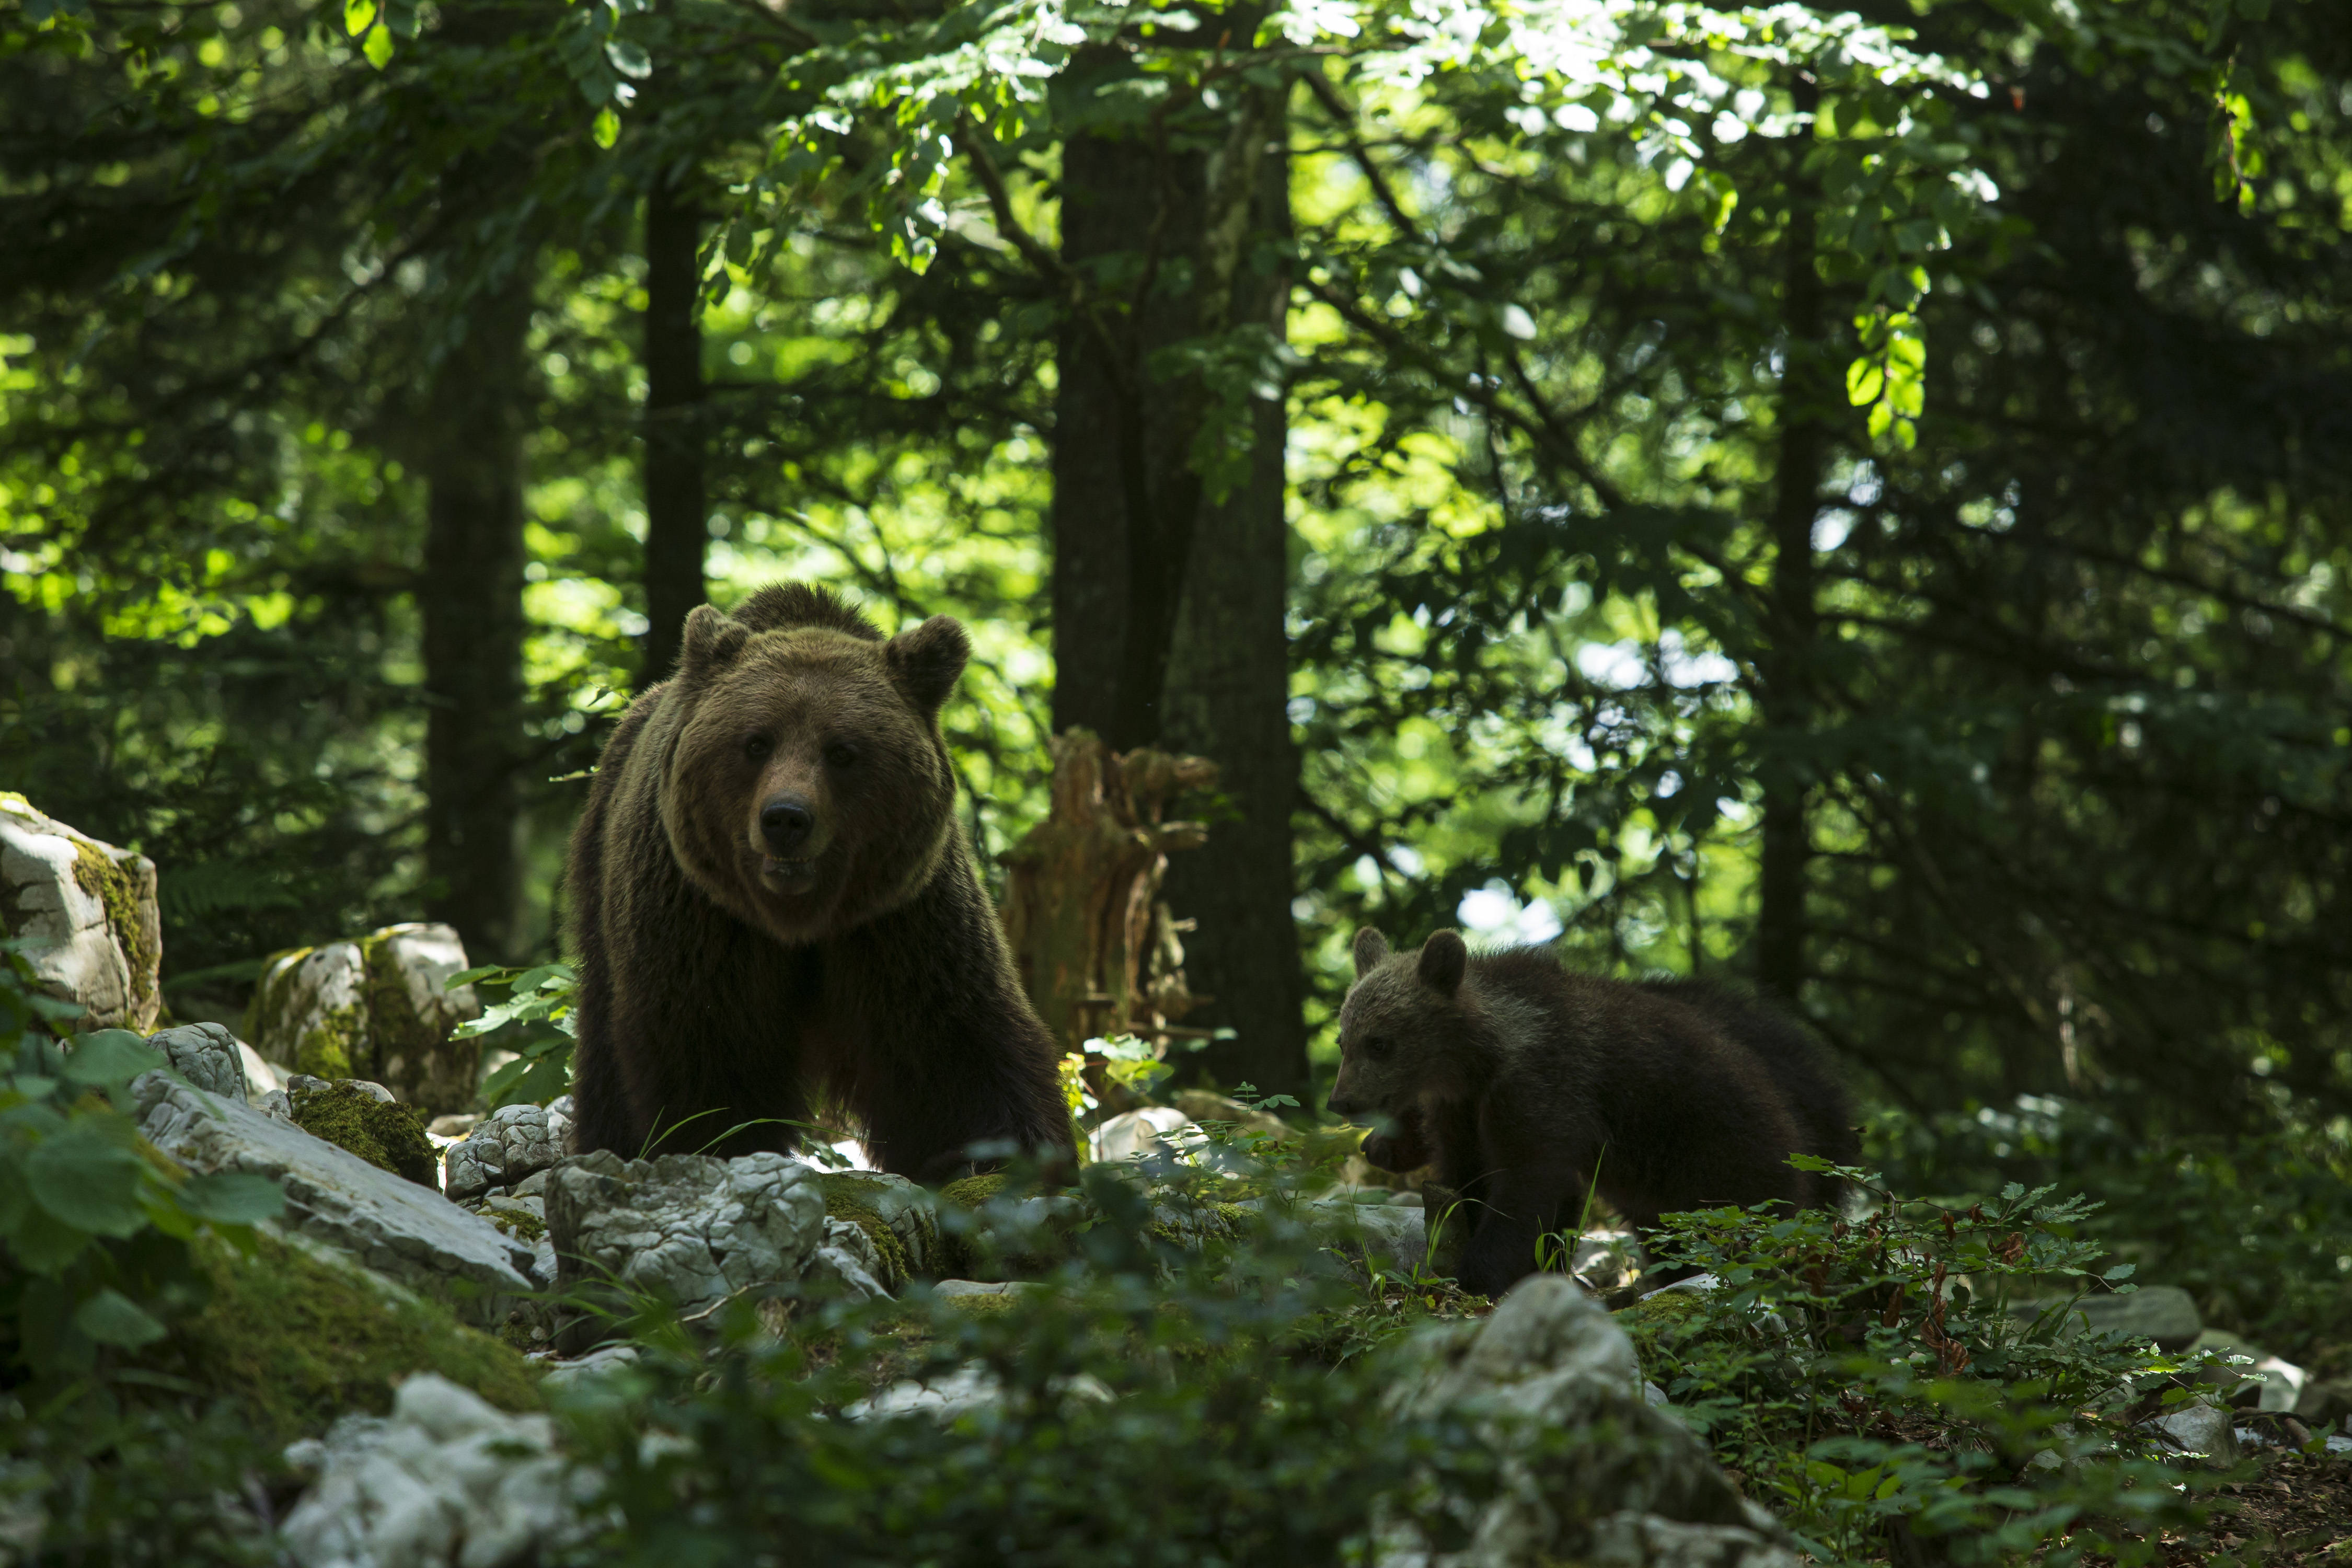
481 1266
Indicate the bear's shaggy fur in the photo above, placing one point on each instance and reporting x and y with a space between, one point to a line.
1515 1077
769 890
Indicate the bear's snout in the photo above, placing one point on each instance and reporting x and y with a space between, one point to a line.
1341 1106
786 823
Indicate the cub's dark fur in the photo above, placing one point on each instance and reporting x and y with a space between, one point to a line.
771 889
1515 1075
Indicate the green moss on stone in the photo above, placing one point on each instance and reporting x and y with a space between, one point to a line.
387 1135
394 1029
296 1341
1201 1224
520 1224
845 1197
974 1191
96 873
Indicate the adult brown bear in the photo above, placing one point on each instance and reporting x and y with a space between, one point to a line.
769 890
1518 1078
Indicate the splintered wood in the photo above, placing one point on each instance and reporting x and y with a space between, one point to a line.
1094 946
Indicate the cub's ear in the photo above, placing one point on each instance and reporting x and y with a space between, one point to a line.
1371 948
1443 960
926 661
712 641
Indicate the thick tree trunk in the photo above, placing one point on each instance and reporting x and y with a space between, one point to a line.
1176 599
676 521
1793 620
1118 442
470 600
1228 696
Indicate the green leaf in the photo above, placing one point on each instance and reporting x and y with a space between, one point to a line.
113 1317
467 976
378 47
110 1058
232 1197
45 1244
357 15
607 127
1864 381
85 1180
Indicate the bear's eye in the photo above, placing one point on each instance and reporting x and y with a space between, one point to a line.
841 754
1379 1047
757 747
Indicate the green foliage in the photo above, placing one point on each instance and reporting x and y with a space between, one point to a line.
94 1228
2258 1229
538 1008
1218 1442
1912 1371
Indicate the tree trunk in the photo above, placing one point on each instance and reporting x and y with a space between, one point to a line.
470 600
1228 695
1177 599
1117 442
1792 618
676 521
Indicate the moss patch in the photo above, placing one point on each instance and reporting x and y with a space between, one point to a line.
96 873
331 1047
974 1191
845 1197
388 1135
295 1341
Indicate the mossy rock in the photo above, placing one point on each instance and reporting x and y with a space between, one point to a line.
846 1196
385 1133
294 1340
1195 1225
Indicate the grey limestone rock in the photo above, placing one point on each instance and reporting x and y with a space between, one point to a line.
2202 1431
848 1261
2164 1314
86 913
207 1055
407 1233
445 1482
1630 1540
511 1145
690 1229
570 1376
1551 1362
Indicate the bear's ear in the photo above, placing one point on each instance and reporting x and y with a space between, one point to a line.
926 661
1442 961
711 641
1371 948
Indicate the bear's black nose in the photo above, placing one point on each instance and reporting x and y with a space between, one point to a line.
785 824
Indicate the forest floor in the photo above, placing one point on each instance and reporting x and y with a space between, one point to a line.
2297 1511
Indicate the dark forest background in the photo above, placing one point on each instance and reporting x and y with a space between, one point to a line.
1860 503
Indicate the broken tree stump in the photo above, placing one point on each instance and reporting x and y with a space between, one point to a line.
1096 948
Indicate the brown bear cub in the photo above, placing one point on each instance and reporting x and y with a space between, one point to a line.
1516 1077
771 891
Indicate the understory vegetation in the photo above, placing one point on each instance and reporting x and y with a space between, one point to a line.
1854 503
